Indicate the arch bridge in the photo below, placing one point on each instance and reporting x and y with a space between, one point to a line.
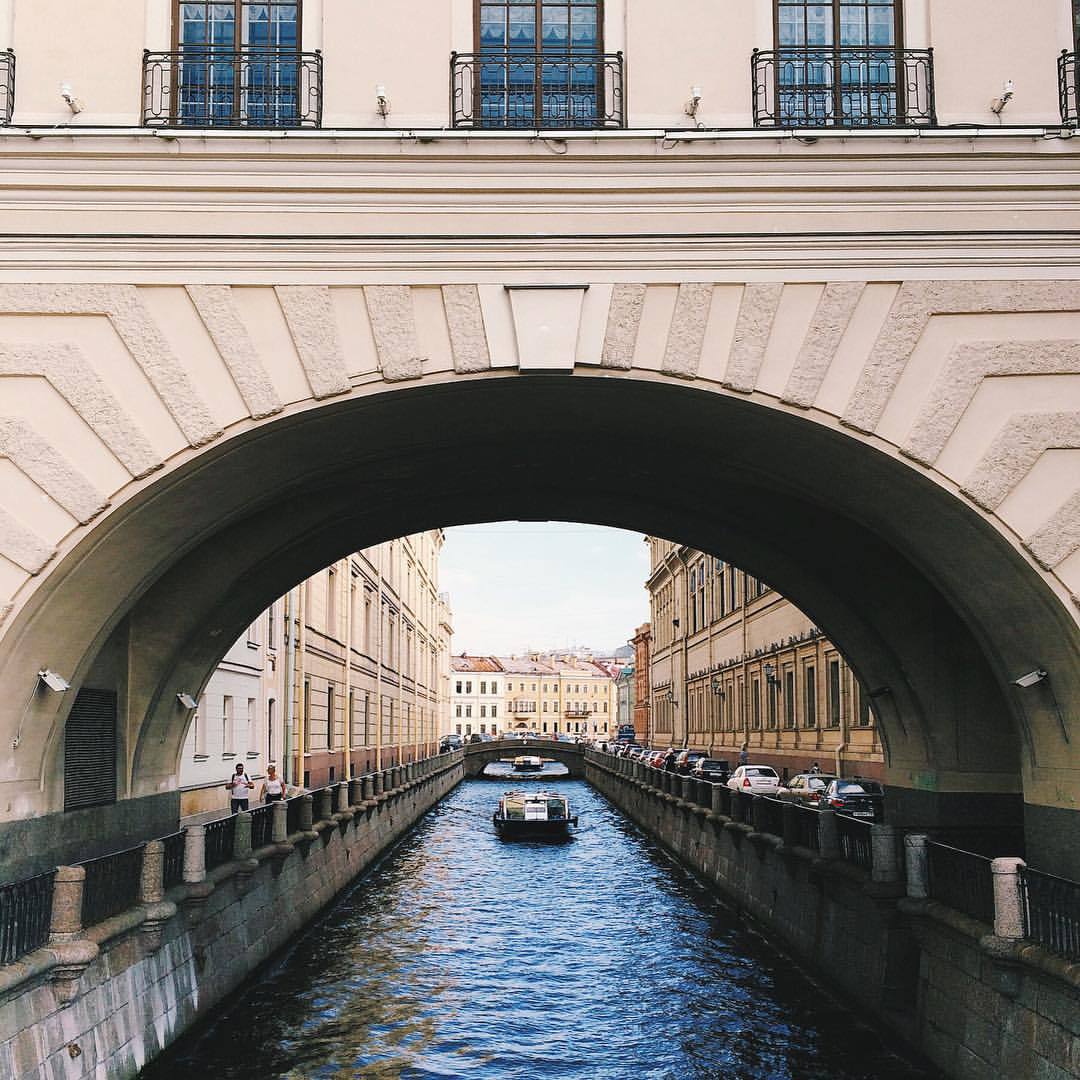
479 755
211 390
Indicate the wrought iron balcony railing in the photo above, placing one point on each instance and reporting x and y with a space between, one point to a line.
536 90
205 87
1069 87
843 87
7 85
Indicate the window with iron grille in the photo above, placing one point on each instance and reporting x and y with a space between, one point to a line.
90 750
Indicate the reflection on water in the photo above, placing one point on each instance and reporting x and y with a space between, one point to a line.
504 770
461 955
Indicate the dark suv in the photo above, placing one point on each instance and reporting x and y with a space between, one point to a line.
715 770
860 798
450 742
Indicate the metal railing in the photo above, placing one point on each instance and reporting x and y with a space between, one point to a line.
853 836
25 914
294 809
203 86
514 89
219 841
1069 87
7 85
769 815
961 880
809 834
112 884
843 86
262 826
1051 911
173 870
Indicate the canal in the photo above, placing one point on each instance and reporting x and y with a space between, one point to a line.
461 955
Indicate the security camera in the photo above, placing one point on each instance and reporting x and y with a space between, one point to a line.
1030 679
382 101
1007 91
75 104
692 106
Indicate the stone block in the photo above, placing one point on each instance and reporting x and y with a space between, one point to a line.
982 1036
969 1066
1053 1042
1061 1006
1047 1070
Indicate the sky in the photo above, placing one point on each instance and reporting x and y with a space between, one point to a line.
516 586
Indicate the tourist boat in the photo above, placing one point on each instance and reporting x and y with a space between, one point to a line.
527 763
541 813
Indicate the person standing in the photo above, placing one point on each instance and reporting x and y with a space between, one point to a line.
744 754
273 789
239 786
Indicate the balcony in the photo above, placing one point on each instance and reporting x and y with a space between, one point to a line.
7 85
508 90
572 714
519 707
843 87
1069 87
201 87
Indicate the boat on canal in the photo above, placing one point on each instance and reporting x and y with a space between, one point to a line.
527 763
540 813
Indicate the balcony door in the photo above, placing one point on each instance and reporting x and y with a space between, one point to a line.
238 62
541 63
839 62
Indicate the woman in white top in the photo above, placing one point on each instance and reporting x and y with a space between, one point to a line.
273 789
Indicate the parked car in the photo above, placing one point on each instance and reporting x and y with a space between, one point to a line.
687 759
715 770
655 759
860 798
450 742
754 780
806 788
564 737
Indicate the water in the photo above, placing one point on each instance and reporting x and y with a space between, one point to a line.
462 955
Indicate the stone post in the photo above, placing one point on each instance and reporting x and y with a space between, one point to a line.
718 799
307 813
281 822
377 783
367 789
342 797
194 854
917 866
152 895
325 808
66 919
885 854
242 836
828 835
73 953
1008 899
356 791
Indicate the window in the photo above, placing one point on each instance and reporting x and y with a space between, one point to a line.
239 63
494 709
837 62
227 725
834 693
468 687
494 687
331 603
810 701
789 698
483 688
755 705
860 694
457 711
468 711
538 65
457 688
271 752
251 742
483 710
330 718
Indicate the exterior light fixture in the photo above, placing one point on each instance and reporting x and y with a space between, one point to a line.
54 681
187 701
1030 679
717 686
770 676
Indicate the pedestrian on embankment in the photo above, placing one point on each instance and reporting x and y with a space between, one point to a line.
273 789
744 754
239 787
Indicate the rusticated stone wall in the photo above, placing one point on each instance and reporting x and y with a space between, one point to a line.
976 1006
148 984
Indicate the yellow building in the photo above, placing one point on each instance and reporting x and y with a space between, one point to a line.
735 663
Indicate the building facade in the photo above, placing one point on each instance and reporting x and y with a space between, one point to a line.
476 699
625 684
642 644
346 673
735 663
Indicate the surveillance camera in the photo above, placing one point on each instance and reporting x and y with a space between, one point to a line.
382 101
692 106
74 103
1030 679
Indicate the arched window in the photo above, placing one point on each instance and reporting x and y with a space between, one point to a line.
233 63
538 63
842 63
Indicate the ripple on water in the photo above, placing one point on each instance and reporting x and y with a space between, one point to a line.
461 955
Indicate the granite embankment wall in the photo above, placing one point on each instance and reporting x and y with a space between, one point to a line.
979 1006
102 1002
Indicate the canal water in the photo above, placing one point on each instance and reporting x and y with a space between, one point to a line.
462 955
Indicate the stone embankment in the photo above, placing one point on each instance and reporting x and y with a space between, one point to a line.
101 1001
853 904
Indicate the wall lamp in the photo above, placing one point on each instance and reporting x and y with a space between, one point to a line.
771 676
187 701
53 681
1030 679
717 687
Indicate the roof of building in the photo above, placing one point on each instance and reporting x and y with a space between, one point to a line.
475 663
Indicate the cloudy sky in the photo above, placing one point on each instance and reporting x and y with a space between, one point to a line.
543 585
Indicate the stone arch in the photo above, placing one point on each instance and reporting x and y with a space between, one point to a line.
822 436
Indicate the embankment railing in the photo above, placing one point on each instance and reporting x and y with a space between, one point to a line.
112 884
25 910
1051 911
